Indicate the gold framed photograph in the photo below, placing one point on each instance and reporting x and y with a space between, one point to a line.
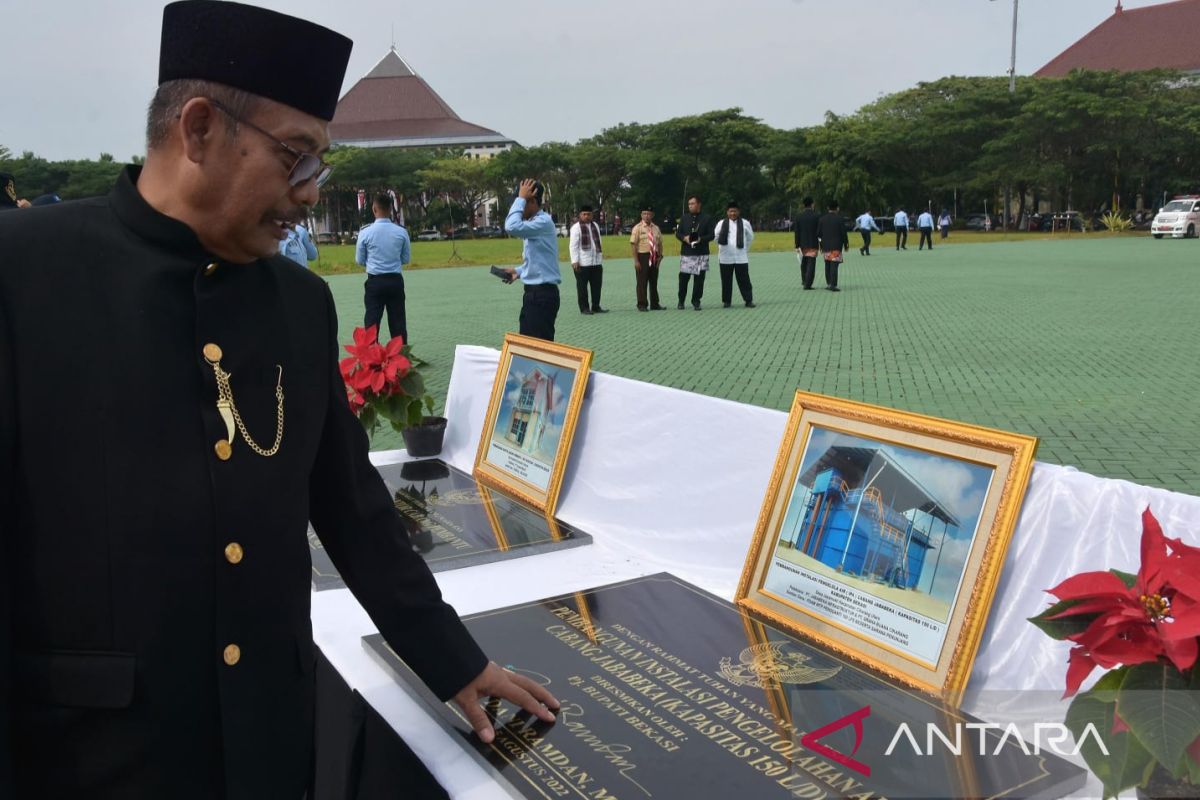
883 533
531 419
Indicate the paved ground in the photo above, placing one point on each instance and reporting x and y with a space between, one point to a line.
1091 345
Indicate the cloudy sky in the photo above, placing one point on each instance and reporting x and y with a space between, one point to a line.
78 74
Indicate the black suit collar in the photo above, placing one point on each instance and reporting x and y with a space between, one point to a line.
144 220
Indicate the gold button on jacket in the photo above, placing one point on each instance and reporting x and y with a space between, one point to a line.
212 352
224 449
232 654
234 553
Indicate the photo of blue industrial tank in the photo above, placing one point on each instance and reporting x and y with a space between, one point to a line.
861 531
888 520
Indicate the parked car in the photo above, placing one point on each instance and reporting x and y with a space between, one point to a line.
1057 221
978 222
326 237
488 232
430 236
562 231
461 232
1178 219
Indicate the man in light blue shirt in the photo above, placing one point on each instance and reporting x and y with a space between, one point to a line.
298 246
925 226
539 271
865 224
384 249
901 223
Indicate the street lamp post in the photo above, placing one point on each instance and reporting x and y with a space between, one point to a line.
1012 89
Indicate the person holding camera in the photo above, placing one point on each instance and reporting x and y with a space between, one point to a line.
539 271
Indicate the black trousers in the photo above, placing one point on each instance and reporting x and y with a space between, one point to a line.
926 236
647 282
539 309
808 270
697 287
901 237
831 270
742 271
866 241
588 280
386 291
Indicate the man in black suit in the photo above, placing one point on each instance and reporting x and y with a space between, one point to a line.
158 474
807 242
835 240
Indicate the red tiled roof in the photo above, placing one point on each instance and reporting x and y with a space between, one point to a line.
1163 36
392 102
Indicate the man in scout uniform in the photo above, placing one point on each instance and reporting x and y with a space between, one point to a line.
645 241
160 461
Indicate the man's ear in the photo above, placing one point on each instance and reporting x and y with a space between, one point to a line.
198 128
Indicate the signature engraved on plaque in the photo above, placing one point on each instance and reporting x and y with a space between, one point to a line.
614 753
759 665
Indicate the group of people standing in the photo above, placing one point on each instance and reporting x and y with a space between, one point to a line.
696 231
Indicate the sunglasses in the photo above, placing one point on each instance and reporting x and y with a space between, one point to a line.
307 166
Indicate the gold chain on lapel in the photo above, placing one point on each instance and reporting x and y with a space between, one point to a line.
227 409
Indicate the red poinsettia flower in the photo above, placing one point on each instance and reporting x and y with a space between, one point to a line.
374 370
1159 616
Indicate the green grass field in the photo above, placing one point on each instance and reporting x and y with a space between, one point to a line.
1088 343
339 259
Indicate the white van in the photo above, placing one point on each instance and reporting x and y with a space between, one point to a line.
1177 219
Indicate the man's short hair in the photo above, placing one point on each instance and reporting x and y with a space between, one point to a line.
833 205
733 205
167 106
808 201
383 201
582 209
695 197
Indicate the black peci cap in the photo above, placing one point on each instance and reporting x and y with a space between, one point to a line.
287 59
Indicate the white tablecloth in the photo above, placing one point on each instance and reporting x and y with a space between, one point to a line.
667 480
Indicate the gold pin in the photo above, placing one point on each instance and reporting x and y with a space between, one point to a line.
224 449
212 353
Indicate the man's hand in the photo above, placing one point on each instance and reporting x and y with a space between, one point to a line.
525 192
23 203
575 266
506 685
512 274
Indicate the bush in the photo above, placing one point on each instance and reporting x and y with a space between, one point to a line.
1115 222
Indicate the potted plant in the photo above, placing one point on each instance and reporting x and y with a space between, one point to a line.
382 383
1145 630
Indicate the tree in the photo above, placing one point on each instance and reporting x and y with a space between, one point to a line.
466 179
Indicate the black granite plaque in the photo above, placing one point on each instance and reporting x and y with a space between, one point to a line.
669 692
453 521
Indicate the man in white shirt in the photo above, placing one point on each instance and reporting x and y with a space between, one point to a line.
865 224
901 223
587 261
925 226
734 236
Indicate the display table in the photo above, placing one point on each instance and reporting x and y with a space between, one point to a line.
669 481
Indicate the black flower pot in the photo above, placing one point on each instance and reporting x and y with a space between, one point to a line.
425 439
1164 787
